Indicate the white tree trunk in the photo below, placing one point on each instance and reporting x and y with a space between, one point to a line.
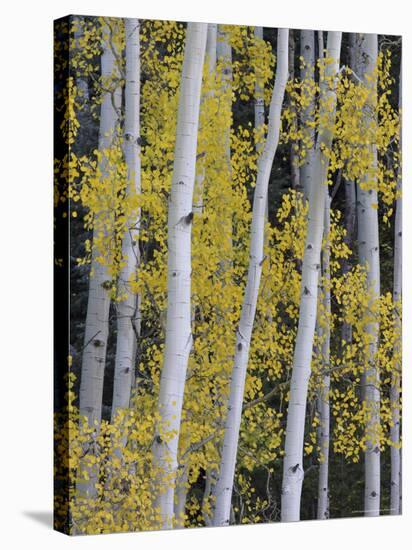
97 318
294 157
307 51
210 59
178 324
127 308
368 242
293 462
224 487
323 401
181 496
259 98
224 55
94 353
396 376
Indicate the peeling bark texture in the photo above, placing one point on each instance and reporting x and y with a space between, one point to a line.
97 317
396 376
368 243
224 486
178 323
127 309
293 461
323 400
307 51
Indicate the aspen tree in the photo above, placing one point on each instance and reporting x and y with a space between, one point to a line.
182 486
224 486
98 305
294 147
178 322
397 367
259 98
323 400
307 74
293 461
127 307
368 245
210 58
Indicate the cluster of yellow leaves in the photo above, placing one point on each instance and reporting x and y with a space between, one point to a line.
96 188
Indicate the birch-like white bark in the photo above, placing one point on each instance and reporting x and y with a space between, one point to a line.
307 51
94 353
368 243
224 486
323 401
259 98
294 157
178 324
127 308
210 59
97 317
396 375
293 461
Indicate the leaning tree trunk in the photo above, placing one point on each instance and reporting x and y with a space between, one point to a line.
368 243
293 462
323 401
396 375
97 317
224 486
178 323
127 308
307 74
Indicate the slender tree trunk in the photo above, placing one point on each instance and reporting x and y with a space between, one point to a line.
210 59
97 318
368 242
259 98
182 487
323 401
307 51
396 375
321 45
178 326
293 462
348 239
209 476
127 307
350 206
224 487
224 55
294 158
181 496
